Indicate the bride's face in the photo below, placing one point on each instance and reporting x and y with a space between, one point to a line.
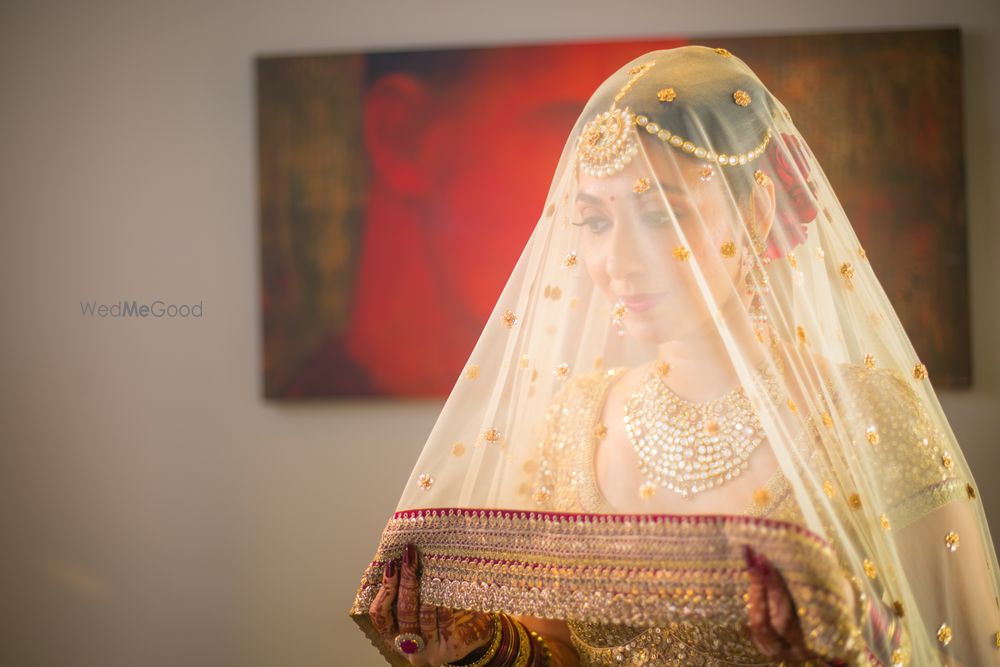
642 247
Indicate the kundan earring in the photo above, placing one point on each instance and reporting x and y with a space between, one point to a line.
618 316
756 279
757 285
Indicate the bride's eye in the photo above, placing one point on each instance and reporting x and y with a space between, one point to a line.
659 218
597 224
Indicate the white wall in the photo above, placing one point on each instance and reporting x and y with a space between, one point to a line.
156 511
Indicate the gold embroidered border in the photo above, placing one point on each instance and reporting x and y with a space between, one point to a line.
927 500
639 570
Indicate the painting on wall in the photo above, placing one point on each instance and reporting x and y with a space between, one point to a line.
397 189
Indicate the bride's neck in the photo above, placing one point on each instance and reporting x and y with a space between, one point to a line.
700 363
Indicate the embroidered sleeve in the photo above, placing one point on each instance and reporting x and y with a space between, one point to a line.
916 471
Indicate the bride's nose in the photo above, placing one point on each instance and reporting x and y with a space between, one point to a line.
625 251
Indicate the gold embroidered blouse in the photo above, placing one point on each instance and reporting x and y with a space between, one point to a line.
919 480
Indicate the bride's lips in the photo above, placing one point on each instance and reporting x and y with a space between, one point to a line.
641 301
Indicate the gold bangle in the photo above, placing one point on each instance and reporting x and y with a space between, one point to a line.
544 647
523 645
490 652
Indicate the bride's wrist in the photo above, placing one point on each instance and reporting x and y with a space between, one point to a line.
482 655
511 644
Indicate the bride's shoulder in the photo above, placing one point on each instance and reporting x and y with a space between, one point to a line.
876 392
866 377
885 392
820 369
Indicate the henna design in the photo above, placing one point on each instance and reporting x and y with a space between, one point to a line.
380 611
471 626
428 623
407 603
463 630
446 621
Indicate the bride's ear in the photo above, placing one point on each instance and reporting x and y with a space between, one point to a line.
764 202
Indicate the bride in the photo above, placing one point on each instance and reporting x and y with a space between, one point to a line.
693 431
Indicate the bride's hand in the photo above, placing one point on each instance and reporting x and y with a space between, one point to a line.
774 623
448 634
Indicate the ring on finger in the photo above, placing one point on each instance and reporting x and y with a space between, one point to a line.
409 643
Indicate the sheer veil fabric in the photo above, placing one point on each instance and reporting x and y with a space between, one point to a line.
693 353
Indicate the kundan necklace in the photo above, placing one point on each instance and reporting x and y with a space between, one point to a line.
689 447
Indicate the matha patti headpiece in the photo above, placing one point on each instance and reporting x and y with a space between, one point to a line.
606 144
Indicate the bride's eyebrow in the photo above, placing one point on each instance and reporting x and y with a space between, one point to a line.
587 198
668 188
675 196
672 189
